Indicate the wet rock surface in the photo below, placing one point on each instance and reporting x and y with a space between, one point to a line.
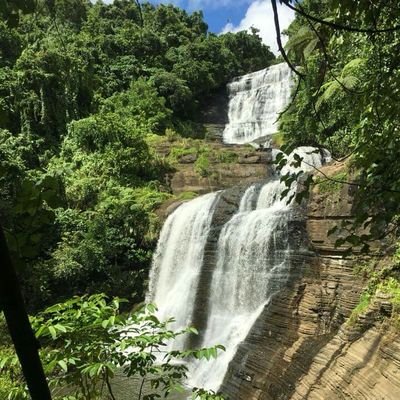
302 346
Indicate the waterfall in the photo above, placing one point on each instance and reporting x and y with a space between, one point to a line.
253 264
254 248
256 100
249 198
178 259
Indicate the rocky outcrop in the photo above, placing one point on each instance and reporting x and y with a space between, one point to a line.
246 166
303 346
221 176
215 108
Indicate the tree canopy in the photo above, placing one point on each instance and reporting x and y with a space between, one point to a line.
347 98
82 87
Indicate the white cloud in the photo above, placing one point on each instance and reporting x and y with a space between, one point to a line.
260 15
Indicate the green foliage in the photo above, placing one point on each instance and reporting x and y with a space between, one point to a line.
347 81
201 394
178 151
203 155
187 195
278 140
391 286
83 89
142 104
348 102
332 184
6 377
226 156
384 278
86 341
202 165
189 129
6 385
362 306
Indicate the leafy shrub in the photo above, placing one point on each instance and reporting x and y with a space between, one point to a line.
226 156
187 195
86 341
202 165
333 184
362 306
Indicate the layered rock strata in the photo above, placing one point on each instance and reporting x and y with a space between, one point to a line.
250 167
302 346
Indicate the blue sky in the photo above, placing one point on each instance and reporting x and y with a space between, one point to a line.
235 15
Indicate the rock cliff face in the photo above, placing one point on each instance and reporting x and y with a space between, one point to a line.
248 170
214 114
249 166
302 346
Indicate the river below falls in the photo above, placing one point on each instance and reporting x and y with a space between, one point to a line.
125 388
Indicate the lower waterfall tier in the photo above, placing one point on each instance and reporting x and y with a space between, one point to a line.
303 346
219 270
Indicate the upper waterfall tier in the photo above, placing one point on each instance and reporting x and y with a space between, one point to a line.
256 100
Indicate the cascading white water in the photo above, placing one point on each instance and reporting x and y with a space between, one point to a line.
253 264
269 194
249 198
178 259
253 250
256 100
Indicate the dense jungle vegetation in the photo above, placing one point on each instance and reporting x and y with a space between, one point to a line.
84 89
347 99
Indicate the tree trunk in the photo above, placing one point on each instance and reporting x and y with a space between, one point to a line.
21 333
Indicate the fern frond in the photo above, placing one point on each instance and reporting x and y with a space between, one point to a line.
329 89
298 42
350 82
352 66
310 47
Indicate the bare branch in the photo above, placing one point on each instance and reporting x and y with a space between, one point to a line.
110 391
279 41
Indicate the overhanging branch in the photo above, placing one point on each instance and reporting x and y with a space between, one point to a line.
279 41
337 26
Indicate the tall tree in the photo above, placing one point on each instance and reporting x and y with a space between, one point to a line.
24 340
